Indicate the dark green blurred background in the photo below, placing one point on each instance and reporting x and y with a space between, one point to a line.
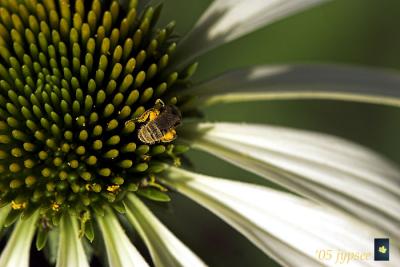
362 32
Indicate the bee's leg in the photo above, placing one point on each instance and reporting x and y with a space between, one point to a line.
169 136
159 103
150 114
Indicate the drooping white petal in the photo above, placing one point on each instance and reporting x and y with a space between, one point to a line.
301 81
70 249
288 228
226 20
16 252
324 168
120 250
165 249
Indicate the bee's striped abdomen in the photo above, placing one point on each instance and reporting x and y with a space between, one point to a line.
150 133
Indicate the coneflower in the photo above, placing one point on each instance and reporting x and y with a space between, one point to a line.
80 84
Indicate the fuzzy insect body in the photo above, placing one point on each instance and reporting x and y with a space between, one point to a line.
159 124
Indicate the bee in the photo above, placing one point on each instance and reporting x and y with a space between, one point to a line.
159 123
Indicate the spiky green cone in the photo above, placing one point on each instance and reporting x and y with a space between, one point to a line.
73 76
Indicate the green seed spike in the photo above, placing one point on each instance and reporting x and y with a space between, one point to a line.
140 58
15 167
130 66
77 21
86 176
46 172
111 154
116 71
137 38
111 86
113 140
138 112
108 110
57 162
128 148
143 149
80 150
29 147
6 18
171 49
172 79
141 167
132 97
151 71
114 9
118 98
39 135
144 27
111 125
126 164
16 37
64 29
67 118
105 48
83 135
156 150
56 131
126 83
68 135
20 136
97 145
163 62
128 46
81 121
92 160
107 22
118 180
140 78
4 139
105 172
117 54
17 23
97 130
160 90
146 95
30 180
3 154
12 122
124 113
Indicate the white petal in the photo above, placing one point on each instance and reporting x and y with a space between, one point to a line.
3 215
70 249
16 252
325 168
165 249
288 228
226 20
120 250
301 81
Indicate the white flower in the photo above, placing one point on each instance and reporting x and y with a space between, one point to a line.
80 79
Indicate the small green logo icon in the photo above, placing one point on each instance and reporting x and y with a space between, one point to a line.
382 249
